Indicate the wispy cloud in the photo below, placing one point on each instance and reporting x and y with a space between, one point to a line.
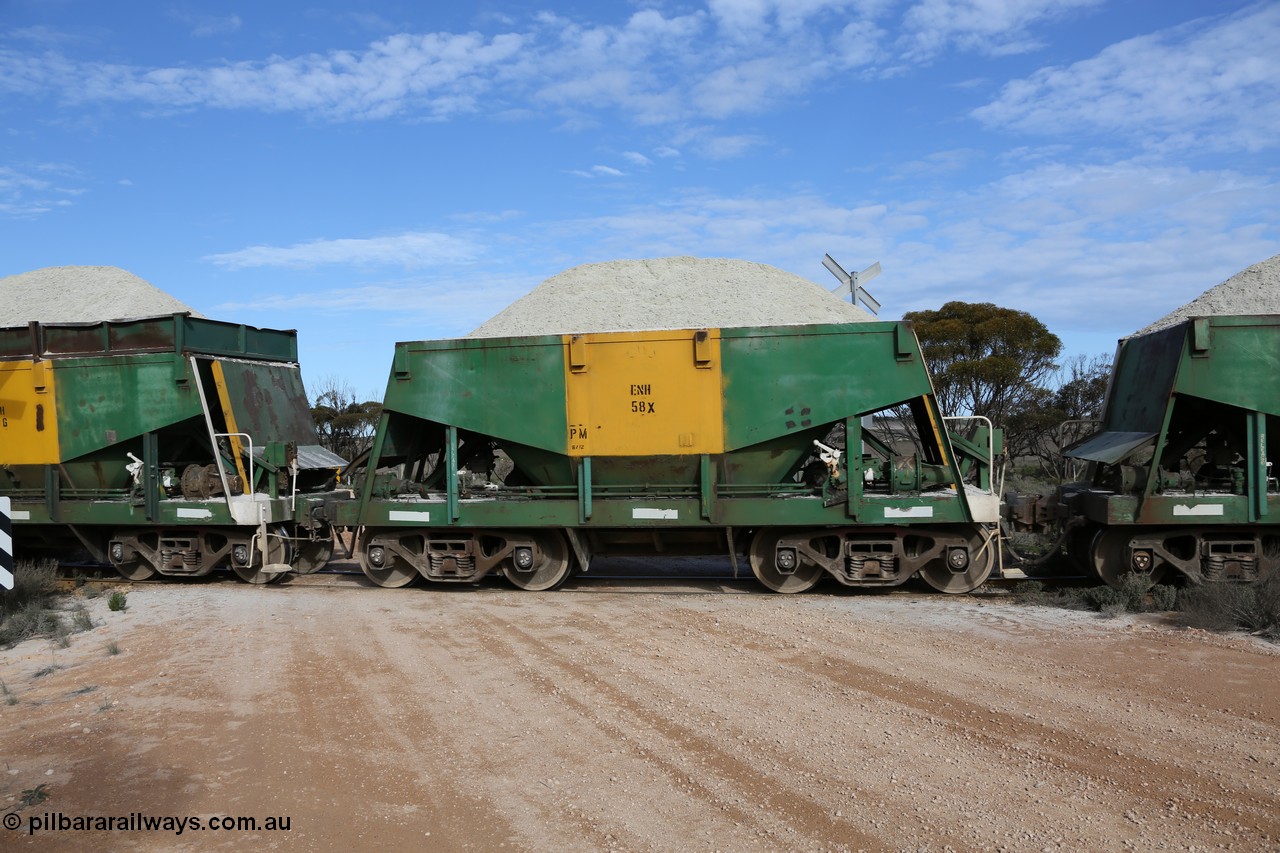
731 58
203 25
410 250
28 192
440 305
993 27
1211 84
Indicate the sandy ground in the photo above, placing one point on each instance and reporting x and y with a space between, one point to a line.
640 716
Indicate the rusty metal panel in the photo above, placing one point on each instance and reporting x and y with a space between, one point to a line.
268 401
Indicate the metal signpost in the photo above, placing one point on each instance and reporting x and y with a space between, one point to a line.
6 546
852 283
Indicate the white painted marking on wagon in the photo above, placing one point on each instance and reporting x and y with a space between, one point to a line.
188 512
1197 509
644 512
404 515
908 512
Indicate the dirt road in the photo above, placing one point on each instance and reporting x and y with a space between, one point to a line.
682 715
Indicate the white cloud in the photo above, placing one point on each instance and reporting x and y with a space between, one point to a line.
716 146
429 307
598 171
438 75
212 25
755 19
994 27
410 250
1211 85
33 190
636 158
651 67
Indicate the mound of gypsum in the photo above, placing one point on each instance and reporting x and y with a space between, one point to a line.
669 293
1254 290
82 294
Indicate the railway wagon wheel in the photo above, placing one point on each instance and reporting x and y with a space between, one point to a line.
1109 556
963 570
764 565
380 564
311 555
130 564
551 563
279 550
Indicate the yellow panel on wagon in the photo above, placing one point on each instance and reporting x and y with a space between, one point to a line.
644 393
28 416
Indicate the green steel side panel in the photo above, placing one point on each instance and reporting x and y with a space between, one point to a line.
784 380
173 333
509 388
268 401
105 400
655 512
1180 510
1143 382
121 513
1239 367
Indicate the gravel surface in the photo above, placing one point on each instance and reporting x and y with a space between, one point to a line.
669 293
1255 290
616 715
82 295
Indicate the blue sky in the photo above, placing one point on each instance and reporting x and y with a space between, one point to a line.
374 172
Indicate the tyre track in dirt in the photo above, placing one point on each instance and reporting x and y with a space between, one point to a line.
1007 737
520 665
682 753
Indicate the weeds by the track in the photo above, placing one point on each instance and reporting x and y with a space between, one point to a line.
1252 607
27 610
118 601
1135 595
36 607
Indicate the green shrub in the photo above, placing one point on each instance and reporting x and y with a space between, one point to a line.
27 610
81 620
113 648
1114 609
1251 607
1164 597
32 583
118 601
38 794
34 620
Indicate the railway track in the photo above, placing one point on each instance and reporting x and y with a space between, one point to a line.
342 575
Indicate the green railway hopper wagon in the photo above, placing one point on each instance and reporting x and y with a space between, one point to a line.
530 456
1181 478
163 445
